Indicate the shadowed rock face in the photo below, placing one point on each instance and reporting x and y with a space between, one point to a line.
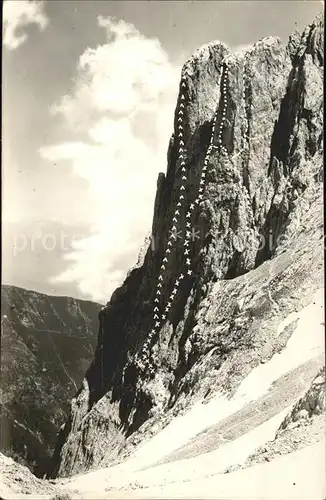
255 252
47 344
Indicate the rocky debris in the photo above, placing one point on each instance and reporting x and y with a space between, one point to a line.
18 479
303 426
249 163
310 405
47 344
253 414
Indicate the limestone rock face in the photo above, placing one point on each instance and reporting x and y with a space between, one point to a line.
244 180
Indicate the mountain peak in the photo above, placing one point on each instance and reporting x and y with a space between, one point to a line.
231 258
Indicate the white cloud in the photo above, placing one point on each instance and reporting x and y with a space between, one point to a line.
124 98
17 15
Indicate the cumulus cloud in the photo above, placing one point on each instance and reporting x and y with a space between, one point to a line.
17 15
123 102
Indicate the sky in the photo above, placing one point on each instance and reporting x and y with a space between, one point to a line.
88 96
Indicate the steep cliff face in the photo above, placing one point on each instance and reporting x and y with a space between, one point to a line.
237 247
47 344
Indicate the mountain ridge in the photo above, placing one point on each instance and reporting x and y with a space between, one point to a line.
47 343
31 290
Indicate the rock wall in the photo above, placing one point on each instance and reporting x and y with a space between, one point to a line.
237 229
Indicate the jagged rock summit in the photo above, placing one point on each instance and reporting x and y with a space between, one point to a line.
238 247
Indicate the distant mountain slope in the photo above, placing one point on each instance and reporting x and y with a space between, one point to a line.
47 344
